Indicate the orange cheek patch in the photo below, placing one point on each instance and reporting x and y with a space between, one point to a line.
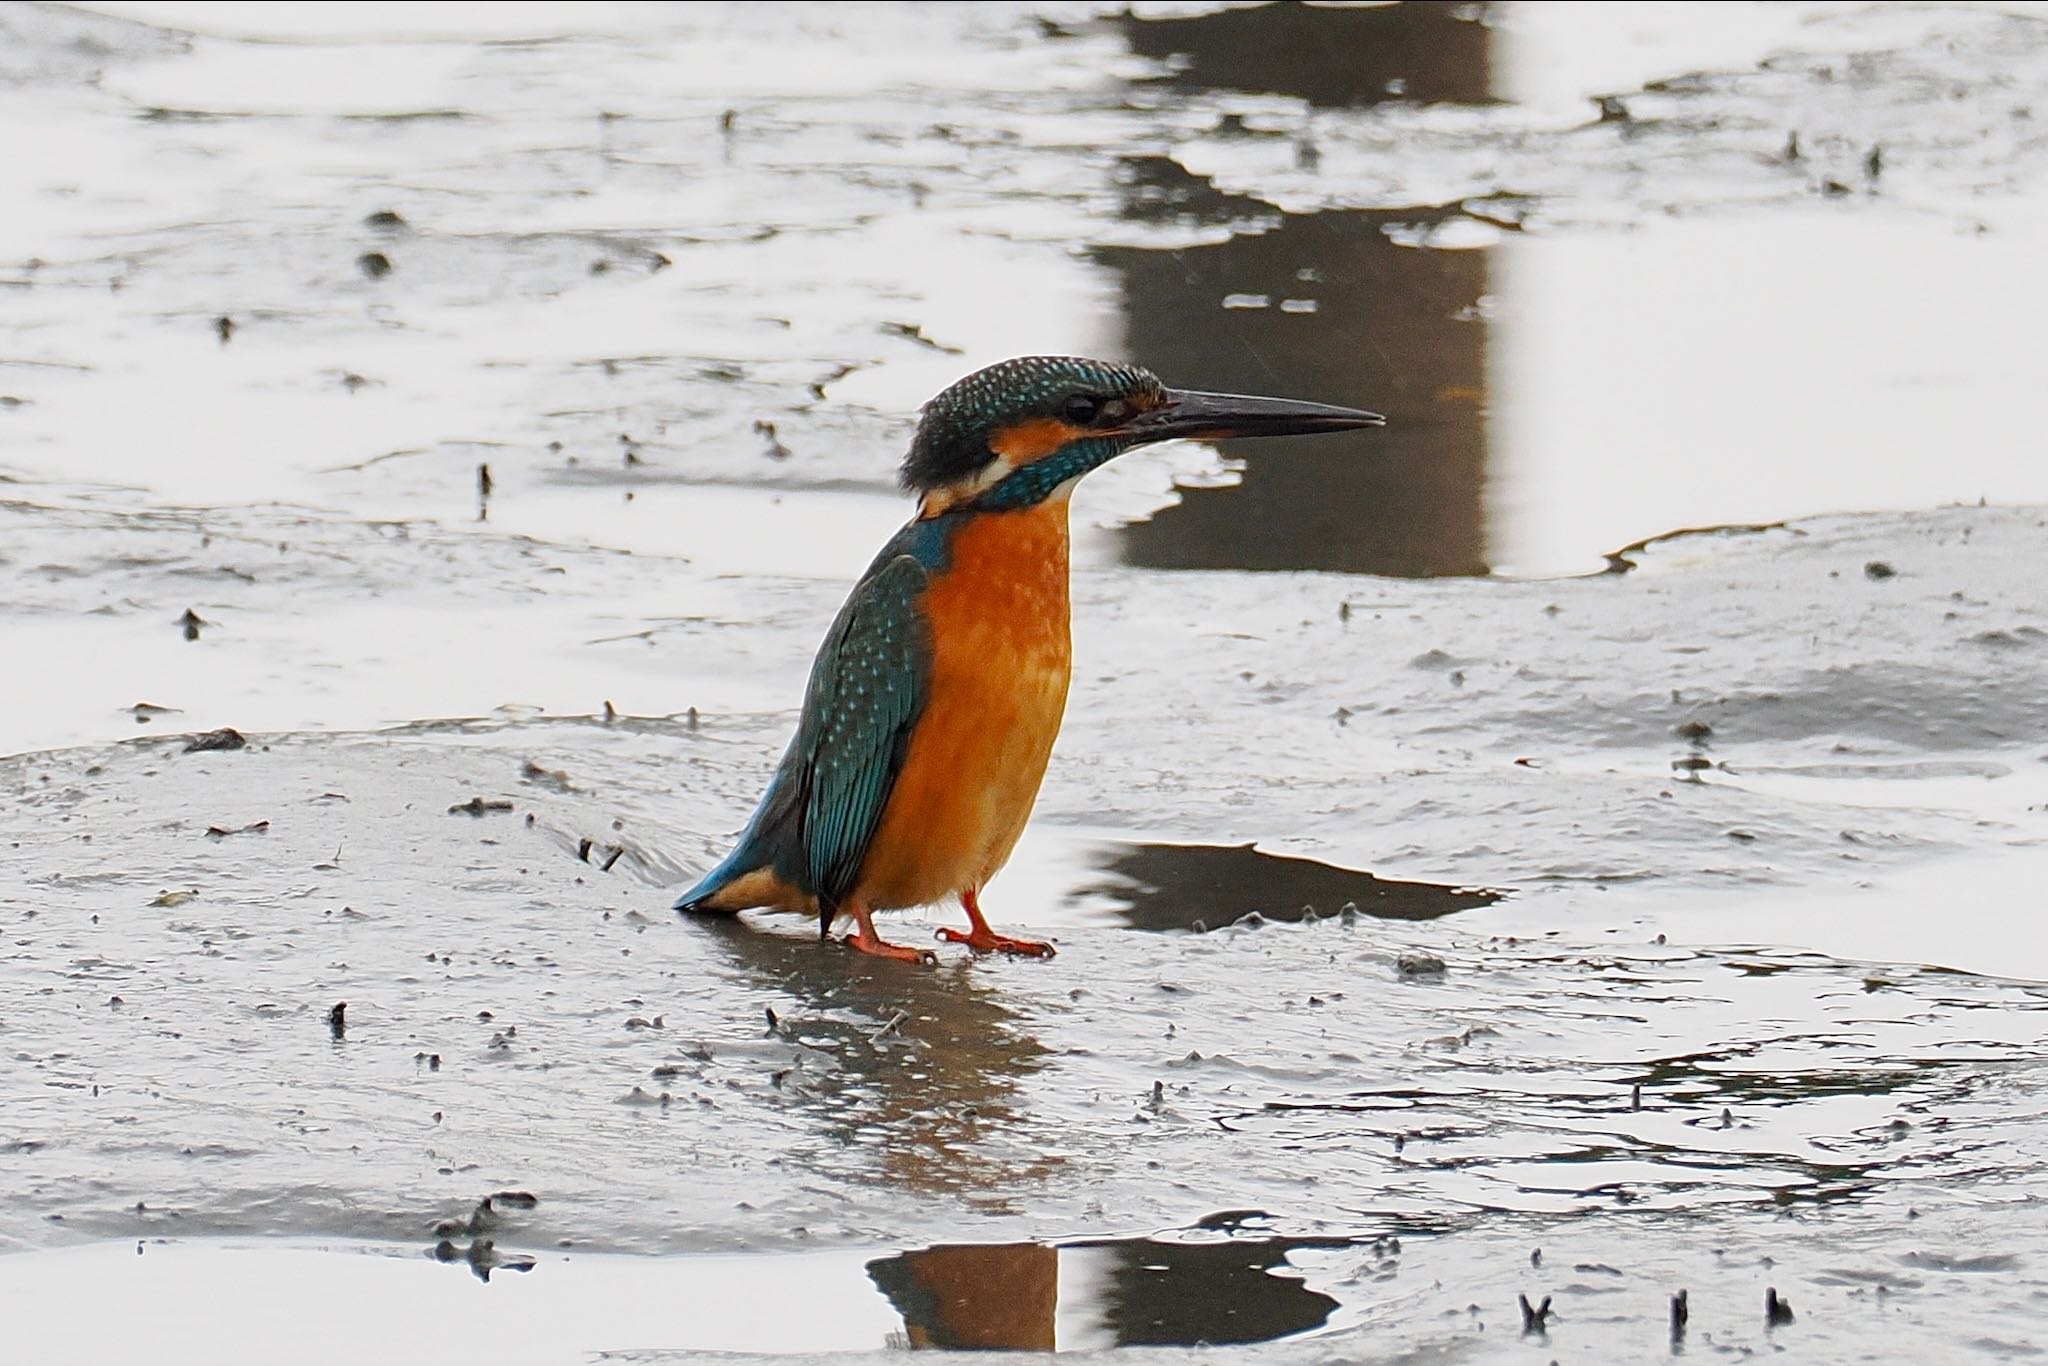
1033 440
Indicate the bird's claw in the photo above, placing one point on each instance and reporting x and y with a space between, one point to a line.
986 941
876 946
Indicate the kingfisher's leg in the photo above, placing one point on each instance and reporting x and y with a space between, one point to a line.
982 939
865 940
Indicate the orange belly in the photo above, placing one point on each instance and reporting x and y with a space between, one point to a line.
1002 655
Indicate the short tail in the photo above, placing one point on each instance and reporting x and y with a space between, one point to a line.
702 899
697 900
734 885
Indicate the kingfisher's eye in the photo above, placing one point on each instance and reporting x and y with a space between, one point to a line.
1081 409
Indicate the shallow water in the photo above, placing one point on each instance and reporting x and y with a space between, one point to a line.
1510 899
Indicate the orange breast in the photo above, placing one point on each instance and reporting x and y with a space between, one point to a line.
1002 654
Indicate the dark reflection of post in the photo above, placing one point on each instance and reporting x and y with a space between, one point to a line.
1334 56
1001 1295
1143 1293
927 1059
1180 1294
1394 328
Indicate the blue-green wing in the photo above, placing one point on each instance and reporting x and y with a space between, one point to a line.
866 691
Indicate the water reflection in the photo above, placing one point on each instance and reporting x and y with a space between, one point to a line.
924 1062
1423 50
1329 304
1184 886
1393 328
1122 1293
1550 395
987 1296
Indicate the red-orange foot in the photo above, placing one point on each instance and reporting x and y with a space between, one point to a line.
867 941
985 940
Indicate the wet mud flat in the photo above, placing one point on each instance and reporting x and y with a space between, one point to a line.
427 460
1551 1042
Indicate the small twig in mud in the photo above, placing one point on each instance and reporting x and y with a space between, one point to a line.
894 1020
477 806
766 429
1681 1311
221 832
1777 1312
484 1258
839 372
556 778
914 333
587 846
1535 1317
337 1020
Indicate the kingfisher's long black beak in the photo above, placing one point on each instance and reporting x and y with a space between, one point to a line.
1187 413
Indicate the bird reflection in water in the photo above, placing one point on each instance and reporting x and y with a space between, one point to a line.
1125 1293
927 1066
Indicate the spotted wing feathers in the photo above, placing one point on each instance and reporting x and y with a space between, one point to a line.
819 815
865 694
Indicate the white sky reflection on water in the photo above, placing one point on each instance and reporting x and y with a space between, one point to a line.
1724 371
312 1304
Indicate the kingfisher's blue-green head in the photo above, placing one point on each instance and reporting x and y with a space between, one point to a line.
1021 431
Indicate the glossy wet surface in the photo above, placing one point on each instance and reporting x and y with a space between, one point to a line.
1222 1283
1453 923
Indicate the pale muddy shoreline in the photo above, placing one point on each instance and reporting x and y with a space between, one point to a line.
1442 920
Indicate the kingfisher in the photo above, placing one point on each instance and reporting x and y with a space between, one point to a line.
934 701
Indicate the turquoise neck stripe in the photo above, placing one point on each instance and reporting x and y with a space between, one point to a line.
1033 483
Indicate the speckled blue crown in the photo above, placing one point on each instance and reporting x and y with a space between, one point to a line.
953 436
